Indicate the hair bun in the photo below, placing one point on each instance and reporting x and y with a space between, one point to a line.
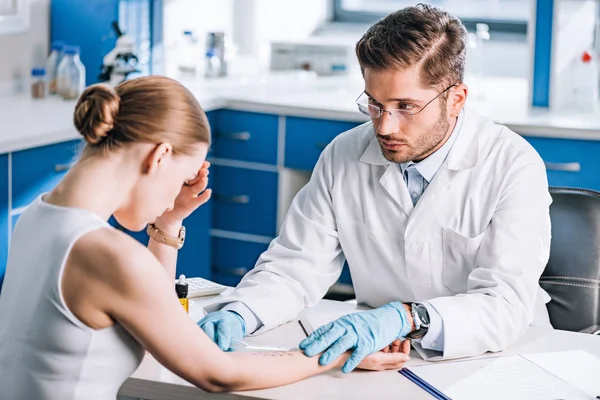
96 112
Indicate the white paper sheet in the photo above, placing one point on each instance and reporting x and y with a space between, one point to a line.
514 378
577 367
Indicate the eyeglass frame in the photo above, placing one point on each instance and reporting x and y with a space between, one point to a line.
388 111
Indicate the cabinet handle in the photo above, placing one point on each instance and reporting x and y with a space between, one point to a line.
232 271
321 145
566 167
241 136
241 199
62 167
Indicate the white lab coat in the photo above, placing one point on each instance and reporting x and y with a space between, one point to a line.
473 247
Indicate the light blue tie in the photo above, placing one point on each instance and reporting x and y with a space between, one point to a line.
415 183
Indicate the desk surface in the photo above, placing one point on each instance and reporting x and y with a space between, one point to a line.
152 381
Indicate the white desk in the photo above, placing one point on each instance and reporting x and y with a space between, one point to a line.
153 382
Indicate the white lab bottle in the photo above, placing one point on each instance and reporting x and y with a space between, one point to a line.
188 55
71 74
54 59
583 83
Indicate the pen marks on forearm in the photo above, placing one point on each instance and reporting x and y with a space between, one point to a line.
275 353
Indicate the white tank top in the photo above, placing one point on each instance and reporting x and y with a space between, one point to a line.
46 353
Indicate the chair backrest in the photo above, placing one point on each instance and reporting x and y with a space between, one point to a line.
572 276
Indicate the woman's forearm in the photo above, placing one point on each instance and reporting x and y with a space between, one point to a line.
268 369
167 255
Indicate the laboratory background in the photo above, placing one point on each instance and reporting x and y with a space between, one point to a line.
278 80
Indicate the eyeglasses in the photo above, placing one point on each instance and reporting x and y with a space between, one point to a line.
373 111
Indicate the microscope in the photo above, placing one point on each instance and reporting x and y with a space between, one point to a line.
120 61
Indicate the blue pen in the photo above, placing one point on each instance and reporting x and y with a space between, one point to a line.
438 394
425 388
420 384
423 384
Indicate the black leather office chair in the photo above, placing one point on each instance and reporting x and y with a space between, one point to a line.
572 276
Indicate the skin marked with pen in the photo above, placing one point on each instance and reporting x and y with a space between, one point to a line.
275 353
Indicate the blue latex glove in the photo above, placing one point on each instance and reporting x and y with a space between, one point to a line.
366 332
223 327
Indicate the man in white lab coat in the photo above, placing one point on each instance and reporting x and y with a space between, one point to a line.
442 215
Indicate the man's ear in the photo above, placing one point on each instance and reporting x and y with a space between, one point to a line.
457 99
157 156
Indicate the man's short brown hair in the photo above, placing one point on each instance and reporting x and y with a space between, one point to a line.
422 36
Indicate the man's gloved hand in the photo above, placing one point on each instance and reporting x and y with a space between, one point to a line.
366 332
223 327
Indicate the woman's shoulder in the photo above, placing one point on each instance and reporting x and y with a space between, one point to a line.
112 255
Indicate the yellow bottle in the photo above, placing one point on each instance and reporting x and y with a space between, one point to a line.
181 288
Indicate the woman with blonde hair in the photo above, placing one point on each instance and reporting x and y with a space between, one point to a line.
82 300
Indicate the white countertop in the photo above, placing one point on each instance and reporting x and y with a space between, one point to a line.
26 123
152 381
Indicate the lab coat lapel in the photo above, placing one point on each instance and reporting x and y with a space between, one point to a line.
463 156
393 183
391 179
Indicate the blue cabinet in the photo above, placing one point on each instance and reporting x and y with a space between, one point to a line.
345 278
245 136
570 162
244 200
38 170
305 139
194 258
245 196
232 259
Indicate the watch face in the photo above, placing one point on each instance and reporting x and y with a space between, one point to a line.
423 314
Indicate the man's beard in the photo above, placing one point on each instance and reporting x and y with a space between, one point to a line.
425 143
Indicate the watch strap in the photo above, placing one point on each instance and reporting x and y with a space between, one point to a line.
159 236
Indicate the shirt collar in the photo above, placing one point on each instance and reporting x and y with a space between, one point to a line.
430 165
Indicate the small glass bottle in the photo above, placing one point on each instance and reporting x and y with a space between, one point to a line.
71 74
38 83
213 64
55 57
181 288
187 55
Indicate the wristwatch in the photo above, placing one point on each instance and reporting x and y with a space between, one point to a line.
421 319
161 237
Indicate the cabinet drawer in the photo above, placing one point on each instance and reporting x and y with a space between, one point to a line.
38 170
234 257
306 138
245 136
569 162
244 200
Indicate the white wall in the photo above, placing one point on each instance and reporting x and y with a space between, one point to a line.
20 52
